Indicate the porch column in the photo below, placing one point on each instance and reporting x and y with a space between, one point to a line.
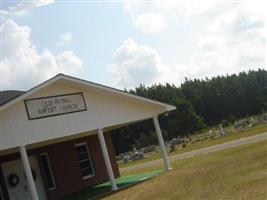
106 159
28 172
161 143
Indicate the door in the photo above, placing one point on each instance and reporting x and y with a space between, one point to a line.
16 181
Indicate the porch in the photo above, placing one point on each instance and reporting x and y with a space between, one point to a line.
61 172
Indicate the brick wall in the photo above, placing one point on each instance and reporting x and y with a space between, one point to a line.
66 169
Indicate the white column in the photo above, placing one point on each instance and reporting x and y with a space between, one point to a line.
107 160
28 172
161 143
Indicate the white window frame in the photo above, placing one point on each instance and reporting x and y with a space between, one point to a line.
50 171
89 158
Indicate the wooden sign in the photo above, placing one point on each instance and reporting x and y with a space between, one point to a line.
55 105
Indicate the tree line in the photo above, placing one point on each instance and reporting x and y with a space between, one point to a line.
200 103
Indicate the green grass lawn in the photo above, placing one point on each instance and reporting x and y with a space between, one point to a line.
200 144
236 173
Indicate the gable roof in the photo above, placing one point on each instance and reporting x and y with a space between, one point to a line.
17 96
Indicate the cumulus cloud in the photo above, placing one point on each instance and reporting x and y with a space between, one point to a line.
186 10
161 12
65 38
150 23
23 8
234 42
23 66
152 17
137 63
134 63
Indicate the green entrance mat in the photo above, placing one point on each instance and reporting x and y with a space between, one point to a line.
105 188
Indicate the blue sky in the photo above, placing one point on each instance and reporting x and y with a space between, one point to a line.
123 44
97 30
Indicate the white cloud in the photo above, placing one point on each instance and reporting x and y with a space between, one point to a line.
160 12
68 62
231 39
234 42
135 63
153 17
65 38
23 66
24 7
185 10
150 22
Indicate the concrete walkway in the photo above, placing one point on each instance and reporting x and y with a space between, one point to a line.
214 148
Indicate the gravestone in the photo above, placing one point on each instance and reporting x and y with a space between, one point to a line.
137 156
126 159
173 143
263 118
148 149
221 130
242 124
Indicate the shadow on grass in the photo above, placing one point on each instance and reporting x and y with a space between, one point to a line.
104 189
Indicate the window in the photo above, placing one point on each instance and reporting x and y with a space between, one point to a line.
84 159
45 161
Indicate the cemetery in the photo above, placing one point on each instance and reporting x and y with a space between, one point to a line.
212 176
257 124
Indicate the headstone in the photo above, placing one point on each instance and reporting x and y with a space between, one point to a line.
137 156
242 124
221 130
125 159
173 143
210 133
263 118
148 149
